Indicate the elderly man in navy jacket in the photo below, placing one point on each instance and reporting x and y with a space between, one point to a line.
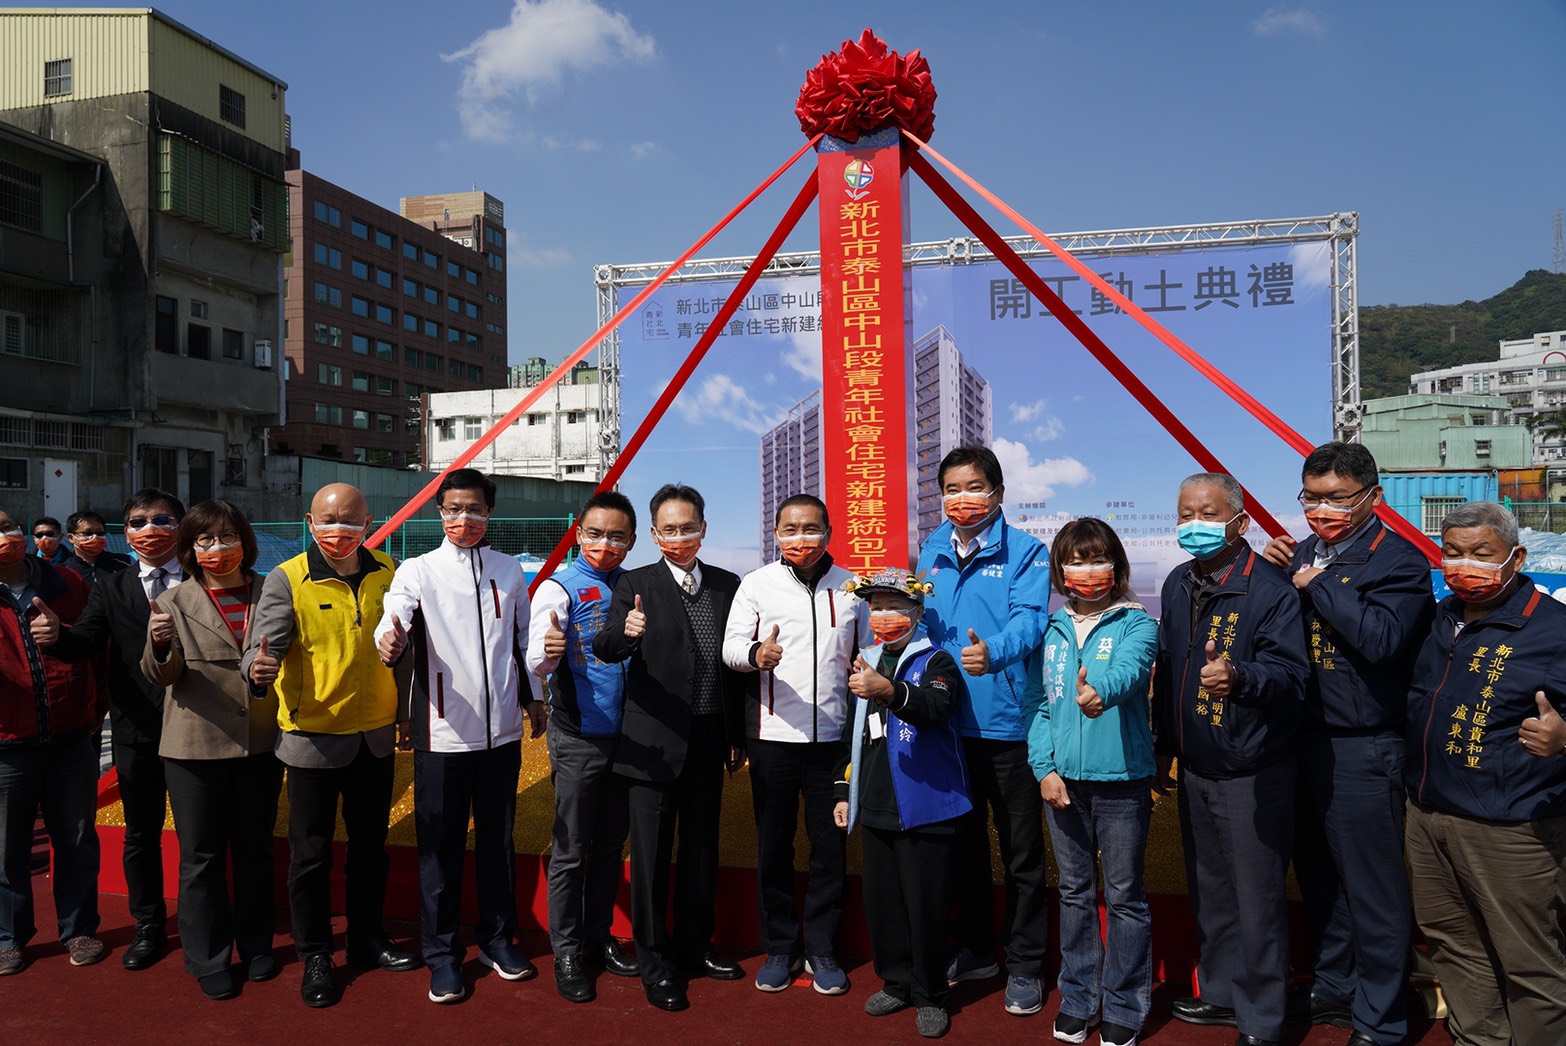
1226 700
1366 599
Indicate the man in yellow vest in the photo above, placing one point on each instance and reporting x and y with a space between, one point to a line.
313 642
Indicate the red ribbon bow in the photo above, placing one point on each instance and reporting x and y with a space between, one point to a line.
865 87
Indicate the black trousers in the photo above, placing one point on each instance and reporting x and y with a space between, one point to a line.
365 787
144 794
224 810
780 772
908 881
1348 859
1003 783
1237 835
446 786
587 845
690 804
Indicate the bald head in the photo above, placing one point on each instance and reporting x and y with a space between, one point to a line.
339 503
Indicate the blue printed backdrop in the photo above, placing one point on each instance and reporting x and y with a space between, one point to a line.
1072 442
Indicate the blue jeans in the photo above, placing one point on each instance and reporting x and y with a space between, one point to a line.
62 777
1108 817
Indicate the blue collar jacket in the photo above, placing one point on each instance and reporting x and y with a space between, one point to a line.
1253 616
1472 689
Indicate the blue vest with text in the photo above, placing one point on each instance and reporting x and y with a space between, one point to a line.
586 695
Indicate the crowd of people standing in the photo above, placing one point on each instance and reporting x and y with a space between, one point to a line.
1406 757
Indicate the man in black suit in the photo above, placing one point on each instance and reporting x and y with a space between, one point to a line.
682 728
117 614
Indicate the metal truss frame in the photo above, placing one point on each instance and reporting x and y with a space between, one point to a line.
1340 231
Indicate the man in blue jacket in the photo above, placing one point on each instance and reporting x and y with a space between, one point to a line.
1226 700
987 611
1366 599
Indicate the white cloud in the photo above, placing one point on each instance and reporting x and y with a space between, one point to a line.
642 150
542 42
803 354
1281 21
722 400
1021 412
1051 428
1029 480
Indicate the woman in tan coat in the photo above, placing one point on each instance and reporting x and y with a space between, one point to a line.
223 779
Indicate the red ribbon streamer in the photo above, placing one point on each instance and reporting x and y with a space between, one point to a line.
402 515
1254 406
731 304
1083 333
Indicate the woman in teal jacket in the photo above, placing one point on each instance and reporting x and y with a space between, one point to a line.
1091 748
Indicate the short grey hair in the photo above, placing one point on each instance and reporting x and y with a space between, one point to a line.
1230 486
1483 514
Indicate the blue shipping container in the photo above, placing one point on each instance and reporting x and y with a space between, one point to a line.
1423 498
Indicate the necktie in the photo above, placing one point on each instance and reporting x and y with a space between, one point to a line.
160 582
689 584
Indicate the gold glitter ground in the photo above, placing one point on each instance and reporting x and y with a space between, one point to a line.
536 811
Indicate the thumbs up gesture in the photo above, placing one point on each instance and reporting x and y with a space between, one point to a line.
160 625
869 684
554 638
1217 676
976 655
1543 735
45 625
769 653
392 642
263 668
1088 700
635 621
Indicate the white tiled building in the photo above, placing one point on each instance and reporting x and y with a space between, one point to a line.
1530 373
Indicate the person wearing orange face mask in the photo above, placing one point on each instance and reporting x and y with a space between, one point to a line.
1486 820
586 704
791 623
337 720
117 616
89 542
217 750
1366 598
46 541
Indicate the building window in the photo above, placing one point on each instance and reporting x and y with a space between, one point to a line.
198 341
432 362
575 469
328 295
385 239
385 386
453 303
410 287
325 334
472 311
57 78
384 278
361 419
385 350
472 428
412 357
454 368
454 270
361 269
536 419
410 322
13 473
327 374
384 422
410 251
231 105
431 296
432 259
165 331
475 374
432 329
446 429
361 306
471 275
233 345
1433 510
328 414
361 381
21 196
386 314
454 335
359 229
330 215
361 345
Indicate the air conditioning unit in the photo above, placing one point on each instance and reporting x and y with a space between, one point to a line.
263 355
13 332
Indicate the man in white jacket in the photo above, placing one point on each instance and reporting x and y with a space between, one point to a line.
792 622
463 608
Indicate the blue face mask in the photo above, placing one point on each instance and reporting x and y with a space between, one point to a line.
1203 538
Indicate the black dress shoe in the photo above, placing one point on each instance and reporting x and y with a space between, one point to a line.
319 987
145 947
615 960
715 966
1195 1011
1305 1008
262 968
384 954
571 979
1359 1038
667 995
220 985
1251 1040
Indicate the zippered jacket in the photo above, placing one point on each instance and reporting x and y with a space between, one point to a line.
1002 594
1366 615
1119 654
1471 691
819 628
44 699
1254 618
466 612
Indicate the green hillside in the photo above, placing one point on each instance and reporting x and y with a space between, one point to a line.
1398 340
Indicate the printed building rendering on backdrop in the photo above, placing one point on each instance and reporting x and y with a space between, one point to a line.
1072 441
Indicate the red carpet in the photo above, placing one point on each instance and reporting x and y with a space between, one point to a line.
51 1002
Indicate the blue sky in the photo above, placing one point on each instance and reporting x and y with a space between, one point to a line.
618 132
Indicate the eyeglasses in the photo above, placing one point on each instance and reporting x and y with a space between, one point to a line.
1335 500
688 530
206 541
605 535
137 523
46 533
90 534
459 512
10 532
